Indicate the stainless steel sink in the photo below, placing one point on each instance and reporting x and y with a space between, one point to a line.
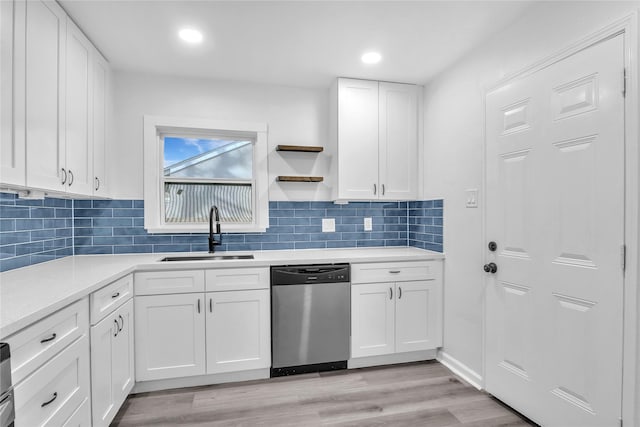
205 257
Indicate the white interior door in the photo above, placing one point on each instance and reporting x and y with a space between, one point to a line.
555 207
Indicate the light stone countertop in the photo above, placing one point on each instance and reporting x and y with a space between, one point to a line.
31 293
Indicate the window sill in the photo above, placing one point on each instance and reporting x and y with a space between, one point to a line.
204 229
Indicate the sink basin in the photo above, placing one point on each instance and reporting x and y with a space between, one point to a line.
205 257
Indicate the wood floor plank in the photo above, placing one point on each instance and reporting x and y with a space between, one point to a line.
413 394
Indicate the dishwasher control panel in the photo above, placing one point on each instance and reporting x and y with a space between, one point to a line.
304 274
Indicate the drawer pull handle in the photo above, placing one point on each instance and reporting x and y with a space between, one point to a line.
399 292
55 396
116 295
51 338
115 334
390 293
210 305
394 271
198 305
122 325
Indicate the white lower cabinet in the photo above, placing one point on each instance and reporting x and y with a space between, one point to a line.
238 332
197 333
169 336
51 395
81 417
372 319
112 363
396 317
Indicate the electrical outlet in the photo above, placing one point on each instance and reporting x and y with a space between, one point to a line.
368 224
472 198
328 225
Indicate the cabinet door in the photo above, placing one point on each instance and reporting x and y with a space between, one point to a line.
398 143
417 315
79 152
101 83
238 331
12 156
123 356
372 319
103 343
357 139
44 95
169 332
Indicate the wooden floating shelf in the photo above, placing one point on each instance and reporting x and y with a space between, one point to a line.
300 178
300 148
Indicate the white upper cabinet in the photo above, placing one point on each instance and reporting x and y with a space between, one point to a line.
398 141
376 126
357 139
12 155
78 96
100 111
43 93
55 91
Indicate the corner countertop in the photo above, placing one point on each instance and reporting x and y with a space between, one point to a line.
31 293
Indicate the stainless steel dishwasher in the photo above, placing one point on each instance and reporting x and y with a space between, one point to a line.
310 318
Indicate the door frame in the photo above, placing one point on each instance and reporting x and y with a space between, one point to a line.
628 28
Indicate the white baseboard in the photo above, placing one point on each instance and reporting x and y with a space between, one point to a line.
389 359
254 374
460 369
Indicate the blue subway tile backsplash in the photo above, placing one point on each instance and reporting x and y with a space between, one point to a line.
115 227
33 231
425 224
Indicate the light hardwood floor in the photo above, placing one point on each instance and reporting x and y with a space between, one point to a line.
414 394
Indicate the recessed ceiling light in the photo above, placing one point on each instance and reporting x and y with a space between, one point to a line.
190 35
371 58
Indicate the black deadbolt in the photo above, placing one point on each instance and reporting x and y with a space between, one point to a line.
493 246
491 268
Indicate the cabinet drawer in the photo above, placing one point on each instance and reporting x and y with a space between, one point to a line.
394 271
112 296
169 282
234 279
51 395
34 345
81 417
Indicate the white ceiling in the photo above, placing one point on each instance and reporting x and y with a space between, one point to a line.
293 43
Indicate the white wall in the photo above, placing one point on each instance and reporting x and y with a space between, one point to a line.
454 124
295 116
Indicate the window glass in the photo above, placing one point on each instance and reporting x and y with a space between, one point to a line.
208 158
187 202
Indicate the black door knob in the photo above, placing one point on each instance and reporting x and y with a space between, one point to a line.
491 268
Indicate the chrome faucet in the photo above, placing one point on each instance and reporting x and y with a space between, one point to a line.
213 242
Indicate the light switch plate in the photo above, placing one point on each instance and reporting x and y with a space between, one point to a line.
472 198
328 225
368 224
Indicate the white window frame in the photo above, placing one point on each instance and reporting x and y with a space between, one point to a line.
156 126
